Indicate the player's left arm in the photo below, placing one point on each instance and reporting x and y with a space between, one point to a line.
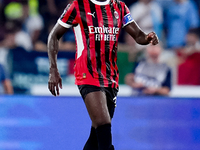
139 36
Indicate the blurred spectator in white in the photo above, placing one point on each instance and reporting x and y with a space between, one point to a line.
181 15
15 36
150 76
5 83
32 23
189 59
149 16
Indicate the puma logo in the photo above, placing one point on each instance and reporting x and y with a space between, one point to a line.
92 14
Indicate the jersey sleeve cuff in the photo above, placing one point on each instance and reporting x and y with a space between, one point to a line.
64 24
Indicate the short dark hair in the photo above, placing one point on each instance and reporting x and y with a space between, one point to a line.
12 26
195 31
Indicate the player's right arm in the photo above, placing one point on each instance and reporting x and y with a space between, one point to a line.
66 20
52 47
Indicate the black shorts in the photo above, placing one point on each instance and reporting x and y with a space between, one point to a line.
110 93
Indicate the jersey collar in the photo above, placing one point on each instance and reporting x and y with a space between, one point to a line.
100 3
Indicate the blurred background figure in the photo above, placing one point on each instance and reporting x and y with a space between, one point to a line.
67 43
28 23
149 16
15 36
12 38
181 15
50 11
25 11
150 77
5 83
32 23
189 59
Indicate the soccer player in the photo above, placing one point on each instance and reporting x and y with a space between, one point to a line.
96 25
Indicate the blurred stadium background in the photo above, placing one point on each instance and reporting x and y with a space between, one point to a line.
32 119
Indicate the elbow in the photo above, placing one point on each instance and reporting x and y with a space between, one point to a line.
52 40
53 36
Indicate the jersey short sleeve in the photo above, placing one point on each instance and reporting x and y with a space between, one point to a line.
127 18
68 17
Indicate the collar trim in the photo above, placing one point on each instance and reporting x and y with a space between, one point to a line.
100 3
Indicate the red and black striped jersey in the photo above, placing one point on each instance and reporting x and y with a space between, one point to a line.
96 27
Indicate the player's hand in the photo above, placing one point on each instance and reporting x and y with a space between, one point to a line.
54 82
152 38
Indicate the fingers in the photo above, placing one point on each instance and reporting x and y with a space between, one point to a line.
57 90
54 82
151 35
51 87
60 83
152 38
154 41
54 87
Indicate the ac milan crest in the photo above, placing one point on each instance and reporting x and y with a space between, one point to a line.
116 14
